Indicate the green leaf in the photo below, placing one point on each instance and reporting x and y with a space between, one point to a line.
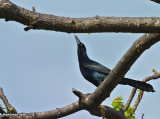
118 105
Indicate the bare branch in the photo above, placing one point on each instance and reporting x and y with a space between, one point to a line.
10 108
53 114
109 113
130 99
33 9
12 12
77 93
155 76
154 71
142 116
140 95
61 112
157 1
70 109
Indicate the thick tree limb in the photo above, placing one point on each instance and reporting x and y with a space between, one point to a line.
72 108
35 20
109 113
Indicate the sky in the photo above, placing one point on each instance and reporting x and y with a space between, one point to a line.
39 68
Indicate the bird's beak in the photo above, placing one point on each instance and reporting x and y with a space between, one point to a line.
77 40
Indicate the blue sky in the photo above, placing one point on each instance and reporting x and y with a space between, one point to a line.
39 68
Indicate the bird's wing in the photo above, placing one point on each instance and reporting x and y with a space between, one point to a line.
97 67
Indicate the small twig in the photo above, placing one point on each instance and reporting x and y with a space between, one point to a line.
154 71
77 93
33 9
140 95
130 99
10 108
155 76
142 116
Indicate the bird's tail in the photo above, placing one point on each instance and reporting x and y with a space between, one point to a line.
137 84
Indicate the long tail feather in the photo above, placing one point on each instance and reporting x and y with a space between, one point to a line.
137 84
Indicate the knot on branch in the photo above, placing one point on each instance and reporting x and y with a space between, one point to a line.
83 99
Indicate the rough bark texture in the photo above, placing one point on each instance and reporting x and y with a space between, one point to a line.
35 20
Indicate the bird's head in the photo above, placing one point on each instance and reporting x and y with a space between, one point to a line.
81 46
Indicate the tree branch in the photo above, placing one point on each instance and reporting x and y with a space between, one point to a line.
142 116
70 109
35 20
140 95
10 108
110 82
157 1
130 99
109 113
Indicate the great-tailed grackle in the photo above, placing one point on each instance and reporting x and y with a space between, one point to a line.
95 72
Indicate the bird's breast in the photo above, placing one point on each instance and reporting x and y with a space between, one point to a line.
92 76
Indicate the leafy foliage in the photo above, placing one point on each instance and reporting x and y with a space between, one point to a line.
118 105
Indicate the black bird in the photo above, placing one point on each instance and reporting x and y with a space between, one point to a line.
95 72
